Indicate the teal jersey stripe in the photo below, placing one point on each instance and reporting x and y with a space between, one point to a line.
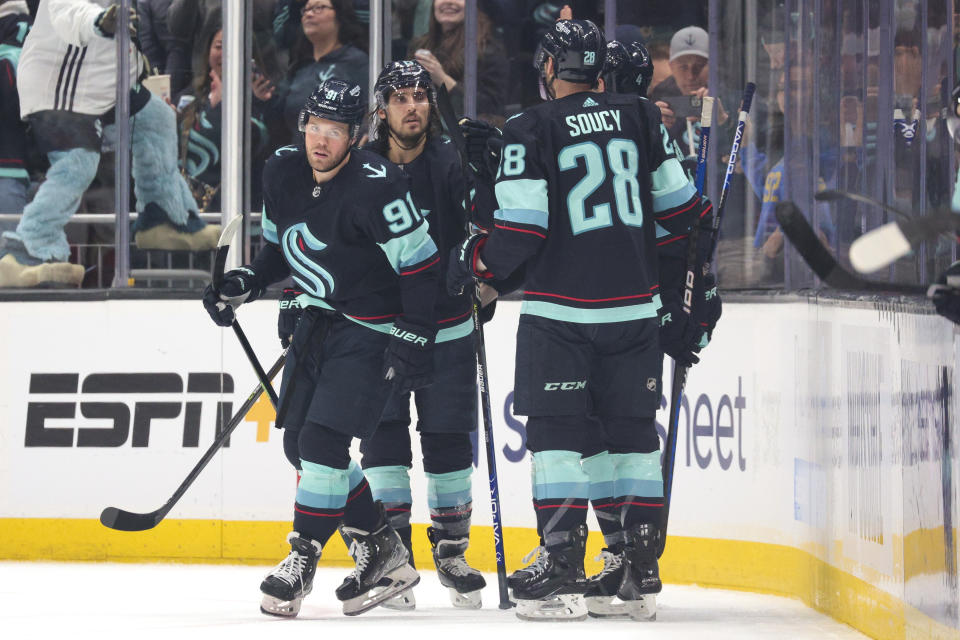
410 248
320 500
661 232
450 499
20 174
564 313
634 487
559 490
449 489
393 495
354 475
674 196
523 216
603 490
388 477
269 228
523 194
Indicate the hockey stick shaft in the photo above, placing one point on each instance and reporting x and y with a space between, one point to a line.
128 521
680 372
448 118
257 367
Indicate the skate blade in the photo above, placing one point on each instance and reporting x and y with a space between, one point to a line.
560 608
609 607
644 609
468 600
401 579
405 601
277 607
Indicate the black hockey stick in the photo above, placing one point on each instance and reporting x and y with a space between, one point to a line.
223 248
449 121
121 520
801 235
680 372
832 195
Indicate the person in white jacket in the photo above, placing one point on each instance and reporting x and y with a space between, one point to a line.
67 83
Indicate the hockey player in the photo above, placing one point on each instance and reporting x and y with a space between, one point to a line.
405 128
582 180
344 224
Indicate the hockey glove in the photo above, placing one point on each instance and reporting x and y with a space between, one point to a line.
289 316
713 306
462 269
106 23
408 361
680 334
484 143
238 286
945 293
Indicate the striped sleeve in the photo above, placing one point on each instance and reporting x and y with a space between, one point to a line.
521 219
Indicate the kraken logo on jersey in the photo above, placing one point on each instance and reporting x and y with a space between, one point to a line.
375 173
315 280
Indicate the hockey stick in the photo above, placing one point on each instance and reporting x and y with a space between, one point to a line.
223 248
881 246
121 520
449 121
680 372
818 257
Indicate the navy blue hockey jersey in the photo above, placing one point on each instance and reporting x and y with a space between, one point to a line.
357 244
583 182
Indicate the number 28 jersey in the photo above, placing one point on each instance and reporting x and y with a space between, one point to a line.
582 184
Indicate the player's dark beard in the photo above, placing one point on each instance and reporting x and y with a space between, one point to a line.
407 142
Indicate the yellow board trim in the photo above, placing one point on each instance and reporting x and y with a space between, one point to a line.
730 564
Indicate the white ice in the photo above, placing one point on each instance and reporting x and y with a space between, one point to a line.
103 600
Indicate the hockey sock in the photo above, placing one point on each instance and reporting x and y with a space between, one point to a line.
359 511
449 496
560 492
600 469
321 496
391 486
638 487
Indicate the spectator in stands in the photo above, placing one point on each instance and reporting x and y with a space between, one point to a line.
201 121
328 45
440 51
689 70
166 53
67 111
14 180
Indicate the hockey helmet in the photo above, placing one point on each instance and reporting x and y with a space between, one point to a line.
627 68
578 50
402 74
335 100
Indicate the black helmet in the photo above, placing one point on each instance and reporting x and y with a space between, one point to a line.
335 100
578 49
627 68
400 74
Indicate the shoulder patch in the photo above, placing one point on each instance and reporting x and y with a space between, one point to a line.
282 151
379 171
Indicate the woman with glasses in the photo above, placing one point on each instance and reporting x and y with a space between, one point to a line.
328 43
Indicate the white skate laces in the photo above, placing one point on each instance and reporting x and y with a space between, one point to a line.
539 565
457 565
291 569
611 562
361 555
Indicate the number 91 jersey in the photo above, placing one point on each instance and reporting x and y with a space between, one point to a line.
582 181
357 243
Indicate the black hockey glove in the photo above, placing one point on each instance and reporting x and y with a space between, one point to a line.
945 293
106 23
712 305
462 268
238 286
680 334
484 143
408 361
289 316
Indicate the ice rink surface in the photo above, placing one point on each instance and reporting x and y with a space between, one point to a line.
104 600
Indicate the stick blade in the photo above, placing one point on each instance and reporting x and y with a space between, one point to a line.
121 520
878 248
817 256
229 230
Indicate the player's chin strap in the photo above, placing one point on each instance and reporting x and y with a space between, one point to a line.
400 144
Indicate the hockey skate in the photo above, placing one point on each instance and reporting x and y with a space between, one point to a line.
601 593
463 581
518 577
18 269
285 587
155 230
641 574
404 601
378 555
554 590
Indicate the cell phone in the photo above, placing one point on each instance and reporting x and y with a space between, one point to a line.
685 106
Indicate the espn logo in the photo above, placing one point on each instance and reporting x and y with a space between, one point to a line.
121 399
565 386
